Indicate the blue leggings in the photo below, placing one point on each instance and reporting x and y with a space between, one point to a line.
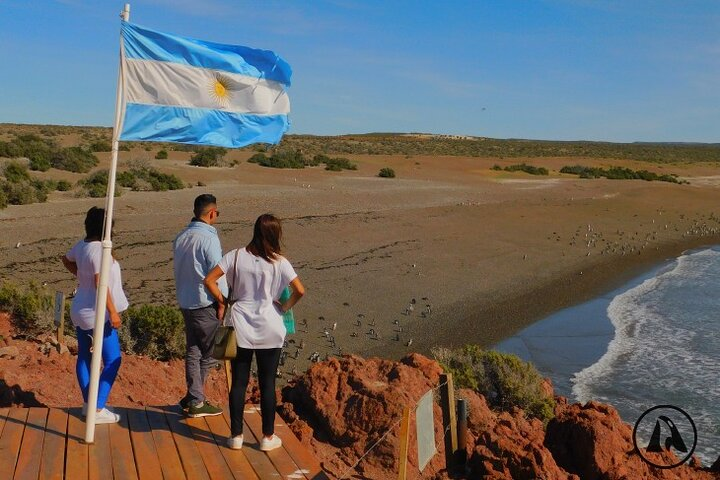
110 357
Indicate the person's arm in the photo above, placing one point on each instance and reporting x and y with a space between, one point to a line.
298 290
212 287
70 265
115 320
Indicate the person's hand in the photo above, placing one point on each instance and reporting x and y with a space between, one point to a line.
221 310
115 320
279 306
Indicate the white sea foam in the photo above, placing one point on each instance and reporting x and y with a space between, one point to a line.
666 348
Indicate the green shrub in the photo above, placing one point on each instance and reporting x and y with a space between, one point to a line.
31 308
74 159
161 155
22 193
386 172
338 164
157 331
522 167
617 173
10 150
95 185
258 158
16 172
285 158
147 178
126 179
505 380
496 167
100 146
208 157
63 186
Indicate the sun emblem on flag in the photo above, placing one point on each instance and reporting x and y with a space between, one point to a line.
220 89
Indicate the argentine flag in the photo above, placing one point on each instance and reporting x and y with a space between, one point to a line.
178 89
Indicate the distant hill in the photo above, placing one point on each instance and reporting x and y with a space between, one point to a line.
408 144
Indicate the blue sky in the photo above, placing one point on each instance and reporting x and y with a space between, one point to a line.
632 70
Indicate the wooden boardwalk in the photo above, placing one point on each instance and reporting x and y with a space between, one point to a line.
149 443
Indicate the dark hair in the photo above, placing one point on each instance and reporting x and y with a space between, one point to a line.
202 202
94 222
267 235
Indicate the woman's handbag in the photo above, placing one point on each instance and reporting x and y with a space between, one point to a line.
225 343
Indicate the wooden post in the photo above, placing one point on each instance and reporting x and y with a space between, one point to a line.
404 443
228 374
60 315
447 403
461 454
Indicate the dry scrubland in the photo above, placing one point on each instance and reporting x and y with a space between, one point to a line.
489 250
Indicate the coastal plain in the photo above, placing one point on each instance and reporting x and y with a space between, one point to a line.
449 252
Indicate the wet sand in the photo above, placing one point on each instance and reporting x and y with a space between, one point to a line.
490 252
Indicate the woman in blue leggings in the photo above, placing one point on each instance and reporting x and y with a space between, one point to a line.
83 261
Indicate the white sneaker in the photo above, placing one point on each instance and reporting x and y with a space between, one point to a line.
270 444
106 416
235 442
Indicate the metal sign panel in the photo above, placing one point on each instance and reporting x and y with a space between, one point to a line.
425 430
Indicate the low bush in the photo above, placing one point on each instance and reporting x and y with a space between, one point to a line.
386 172
209 157
31 308
19 188
618 173
95 185
74 159
16 172
63 186
157 331
161 155
523 167
100 146
258 158
505 380
338 164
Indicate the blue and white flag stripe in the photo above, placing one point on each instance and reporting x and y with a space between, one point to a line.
163 83
147 44
178 89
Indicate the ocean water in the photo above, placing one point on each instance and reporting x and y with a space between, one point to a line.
654 341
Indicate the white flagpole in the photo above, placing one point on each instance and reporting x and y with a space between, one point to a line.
102 290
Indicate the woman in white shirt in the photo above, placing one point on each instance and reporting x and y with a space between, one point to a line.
257 275
83 260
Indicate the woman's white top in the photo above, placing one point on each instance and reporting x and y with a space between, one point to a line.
256 284
88 257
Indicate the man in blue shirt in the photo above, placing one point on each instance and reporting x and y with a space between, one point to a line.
196 251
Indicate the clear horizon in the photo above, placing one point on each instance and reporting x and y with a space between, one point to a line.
568 70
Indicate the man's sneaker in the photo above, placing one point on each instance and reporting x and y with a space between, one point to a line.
184 403
235 442
267 444
205 409
106 416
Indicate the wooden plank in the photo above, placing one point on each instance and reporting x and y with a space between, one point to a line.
11 439
99 454
121 451
186 446
77 452
167 453
251 448
28 462
279 457
53 452
236 460
212 457
3 414
304 458
143 445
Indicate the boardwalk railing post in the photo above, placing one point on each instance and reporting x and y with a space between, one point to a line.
447 403
404 443
461 453
60 315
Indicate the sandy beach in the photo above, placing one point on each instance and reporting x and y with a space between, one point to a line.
489 252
